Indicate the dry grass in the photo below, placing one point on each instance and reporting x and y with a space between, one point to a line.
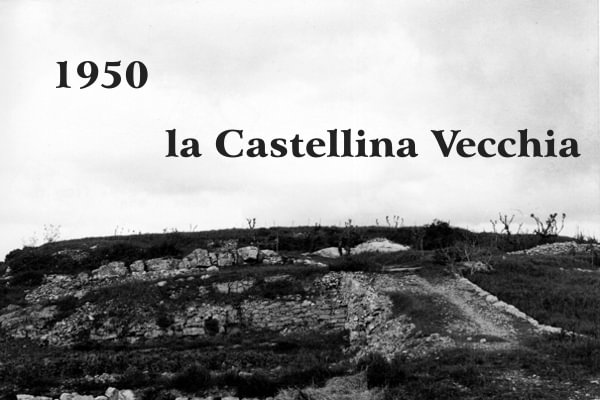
352 387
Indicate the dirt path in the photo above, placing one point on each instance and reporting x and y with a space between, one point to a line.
457 311
452 312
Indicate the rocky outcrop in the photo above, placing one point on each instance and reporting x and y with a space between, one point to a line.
562 248
270 257
328 252
138 267
198 261
367 309
162 264
110 394
378 245
248 254
26 322
57 286
197 258
110 270
321 308
233 286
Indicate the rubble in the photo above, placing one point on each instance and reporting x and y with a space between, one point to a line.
559 248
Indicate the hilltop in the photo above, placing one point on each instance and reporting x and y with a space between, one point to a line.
304 312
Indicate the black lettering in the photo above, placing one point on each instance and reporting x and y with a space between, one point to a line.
172 151
311 144
221 143
445 148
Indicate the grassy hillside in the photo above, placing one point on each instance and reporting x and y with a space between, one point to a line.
557 290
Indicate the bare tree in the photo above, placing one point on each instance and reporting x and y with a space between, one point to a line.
550 227
344 242
251 225
494 222
506 222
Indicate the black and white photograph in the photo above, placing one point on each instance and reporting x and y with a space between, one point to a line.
299 200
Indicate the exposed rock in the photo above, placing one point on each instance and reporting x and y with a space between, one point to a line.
74 396
378 245
248 254
28 321
83 276
138 267
309 261
212 270
328 252
197 258
225 259
560 248
55 287
233 286
82 397
162 264
270 257
112 393
112 269
126 395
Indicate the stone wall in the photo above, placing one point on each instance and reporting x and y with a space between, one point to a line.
335 301
293 316
322 308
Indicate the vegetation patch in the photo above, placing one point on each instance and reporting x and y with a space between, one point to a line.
424 310
192 366
524 373
564 296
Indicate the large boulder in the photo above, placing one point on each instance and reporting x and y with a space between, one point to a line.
328 252
197 258
83 397
270 257
162 264
225 259
379 245
225 255
126 395
212 270
248 254
110 270
112 393
138 267
75 396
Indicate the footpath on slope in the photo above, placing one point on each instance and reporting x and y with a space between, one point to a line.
446 312
442 313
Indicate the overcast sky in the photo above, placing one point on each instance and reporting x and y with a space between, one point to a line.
93 160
